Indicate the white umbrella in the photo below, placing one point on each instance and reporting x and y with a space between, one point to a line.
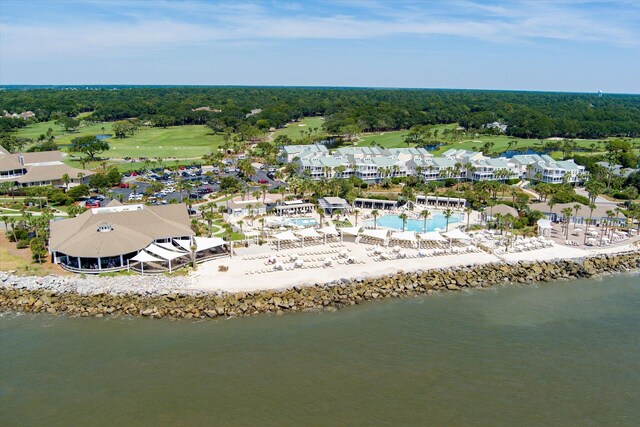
327 261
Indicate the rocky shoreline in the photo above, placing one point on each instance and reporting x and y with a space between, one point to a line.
164 297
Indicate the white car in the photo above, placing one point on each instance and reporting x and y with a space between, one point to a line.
134 197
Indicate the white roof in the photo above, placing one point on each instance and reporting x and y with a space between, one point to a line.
170 247
457 234
184 244
350 230
286 235
376 234
307 232
544 223
409 236
203 243
328 230
163 253
145 257
433 236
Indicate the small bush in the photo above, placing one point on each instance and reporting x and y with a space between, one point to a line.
22 244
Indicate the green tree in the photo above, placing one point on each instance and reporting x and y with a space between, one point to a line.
38 249
89 145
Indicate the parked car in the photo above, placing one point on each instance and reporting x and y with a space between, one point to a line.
92 203
262 181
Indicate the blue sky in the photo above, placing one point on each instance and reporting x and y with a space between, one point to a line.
565 45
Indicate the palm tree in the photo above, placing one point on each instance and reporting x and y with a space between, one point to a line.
591 208
551 204
320 212
356 212
468 211
447 214
375 214
566 213
424 215
403 217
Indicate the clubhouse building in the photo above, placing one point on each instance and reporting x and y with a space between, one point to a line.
147 239
39 169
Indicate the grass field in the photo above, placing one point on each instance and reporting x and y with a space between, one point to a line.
394 139
293 129
176 141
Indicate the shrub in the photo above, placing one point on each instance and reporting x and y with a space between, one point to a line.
22 244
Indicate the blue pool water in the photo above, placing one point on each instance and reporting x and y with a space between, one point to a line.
436 220
303 222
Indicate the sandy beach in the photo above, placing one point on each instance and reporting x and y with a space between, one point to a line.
209 278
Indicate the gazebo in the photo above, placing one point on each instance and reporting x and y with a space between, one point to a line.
351 231
405 236
380 234
328 231
544 225
308 232
285 236
456 234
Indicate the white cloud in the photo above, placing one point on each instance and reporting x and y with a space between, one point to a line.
193 23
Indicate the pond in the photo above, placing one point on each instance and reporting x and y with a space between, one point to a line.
103 136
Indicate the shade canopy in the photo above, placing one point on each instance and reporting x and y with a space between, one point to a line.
144 256
408 236
353 231
286 236
331 231
376 234
204 243
163 253
457 234
544 223
433 236
184 244
308 232
169 247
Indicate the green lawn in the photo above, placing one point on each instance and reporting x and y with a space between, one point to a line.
176 141
293 129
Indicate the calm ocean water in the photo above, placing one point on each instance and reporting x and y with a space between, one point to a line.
556 354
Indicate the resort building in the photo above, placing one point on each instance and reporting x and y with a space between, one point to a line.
373 164
294 207
289 152
375 204
617 170
119 237
441 202
546 169
246 207
601 213
334 204
39 168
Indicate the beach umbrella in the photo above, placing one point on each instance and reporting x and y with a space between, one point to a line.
327 261
422 252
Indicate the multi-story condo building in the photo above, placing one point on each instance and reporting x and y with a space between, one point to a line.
546 169
373 164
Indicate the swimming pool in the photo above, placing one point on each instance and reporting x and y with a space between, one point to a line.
436 220
302 222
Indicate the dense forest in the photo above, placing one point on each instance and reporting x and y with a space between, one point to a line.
347 110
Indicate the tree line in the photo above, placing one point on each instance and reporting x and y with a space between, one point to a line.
347 110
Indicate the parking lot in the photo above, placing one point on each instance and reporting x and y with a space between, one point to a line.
135 185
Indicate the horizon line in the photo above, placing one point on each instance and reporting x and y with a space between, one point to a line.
8 85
